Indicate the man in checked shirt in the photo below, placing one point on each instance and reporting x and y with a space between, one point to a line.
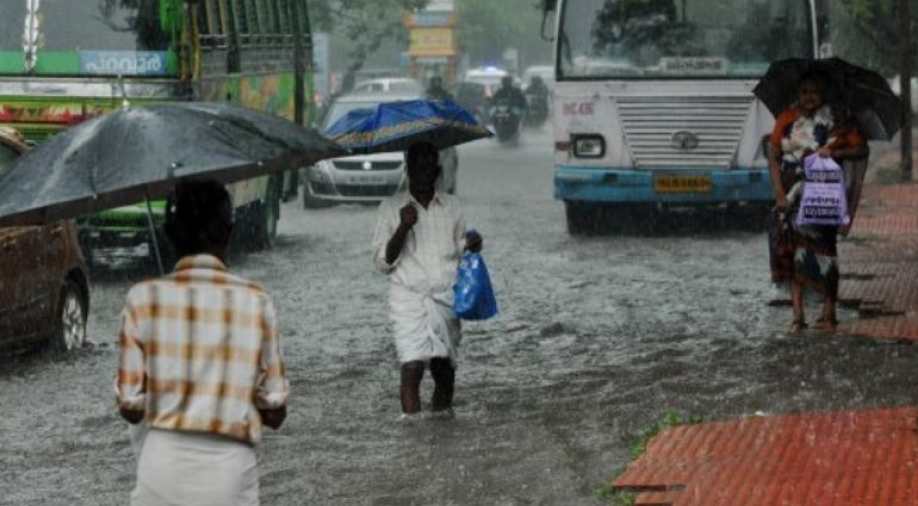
200 365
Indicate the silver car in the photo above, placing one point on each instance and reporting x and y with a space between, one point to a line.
389 85
365 178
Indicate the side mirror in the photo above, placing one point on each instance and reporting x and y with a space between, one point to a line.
548 9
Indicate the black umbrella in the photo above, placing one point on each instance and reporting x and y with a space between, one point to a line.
134 154
864 92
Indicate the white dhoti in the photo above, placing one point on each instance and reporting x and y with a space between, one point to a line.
424 324
182 468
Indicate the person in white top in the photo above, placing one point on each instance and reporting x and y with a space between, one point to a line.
420 236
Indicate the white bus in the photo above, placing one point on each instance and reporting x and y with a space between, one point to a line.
654 104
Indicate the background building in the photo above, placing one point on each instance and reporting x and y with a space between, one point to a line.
433 49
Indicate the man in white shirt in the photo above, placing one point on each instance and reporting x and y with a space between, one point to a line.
419 239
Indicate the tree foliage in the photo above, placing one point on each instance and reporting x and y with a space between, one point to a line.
866 32
366 24
488 27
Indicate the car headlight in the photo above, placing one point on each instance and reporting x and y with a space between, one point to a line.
589 146
319 172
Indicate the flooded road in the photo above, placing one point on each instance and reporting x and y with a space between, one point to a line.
597 338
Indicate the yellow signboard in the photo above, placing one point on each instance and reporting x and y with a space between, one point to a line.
437 41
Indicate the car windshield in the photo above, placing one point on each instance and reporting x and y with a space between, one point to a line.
7 156
689 38
395 85
340 109
410 86
493 80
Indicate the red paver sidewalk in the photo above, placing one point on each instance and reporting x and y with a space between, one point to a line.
841 458
879 264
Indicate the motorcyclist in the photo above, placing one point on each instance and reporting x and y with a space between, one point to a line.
537 93
436 91
513 95
537 87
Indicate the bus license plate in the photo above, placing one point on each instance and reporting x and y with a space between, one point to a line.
682 184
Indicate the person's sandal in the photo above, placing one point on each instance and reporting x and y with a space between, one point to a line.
797 326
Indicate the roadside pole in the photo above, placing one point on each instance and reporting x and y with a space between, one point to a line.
905 80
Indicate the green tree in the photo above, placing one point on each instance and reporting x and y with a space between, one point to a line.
865 32
488 27
364 25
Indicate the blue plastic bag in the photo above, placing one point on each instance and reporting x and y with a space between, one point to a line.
474 298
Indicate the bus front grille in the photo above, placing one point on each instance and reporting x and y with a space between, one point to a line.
683 131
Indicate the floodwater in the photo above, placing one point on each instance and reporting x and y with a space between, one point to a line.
597 338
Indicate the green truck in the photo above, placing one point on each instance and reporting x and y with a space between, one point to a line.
64 62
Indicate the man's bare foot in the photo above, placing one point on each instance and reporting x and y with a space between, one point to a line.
827 324
797 326
410 417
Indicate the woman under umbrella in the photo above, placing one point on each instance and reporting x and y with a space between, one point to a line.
807 256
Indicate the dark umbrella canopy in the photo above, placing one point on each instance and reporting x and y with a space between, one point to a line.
864 92
137 153
394 126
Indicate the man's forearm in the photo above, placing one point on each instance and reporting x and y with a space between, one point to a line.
850 152
395 244
774 169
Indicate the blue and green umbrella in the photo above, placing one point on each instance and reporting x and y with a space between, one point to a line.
394 126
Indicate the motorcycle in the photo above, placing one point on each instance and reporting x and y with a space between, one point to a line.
538 110
506 121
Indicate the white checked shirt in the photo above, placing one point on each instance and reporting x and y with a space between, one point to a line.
199 352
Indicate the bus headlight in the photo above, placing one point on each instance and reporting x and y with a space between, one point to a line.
589 146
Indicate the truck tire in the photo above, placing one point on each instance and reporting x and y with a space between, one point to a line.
291 185
264 217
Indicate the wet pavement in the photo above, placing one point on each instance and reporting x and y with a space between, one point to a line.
598 337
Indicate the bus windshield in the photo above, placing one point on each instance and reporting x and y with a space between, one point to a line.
653 39
99 34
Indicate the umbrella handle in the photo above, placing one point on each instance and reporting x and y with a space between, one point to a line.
154 239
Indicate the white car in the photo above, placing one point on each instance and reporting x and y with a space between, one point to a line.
402 85
365 178
489 77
